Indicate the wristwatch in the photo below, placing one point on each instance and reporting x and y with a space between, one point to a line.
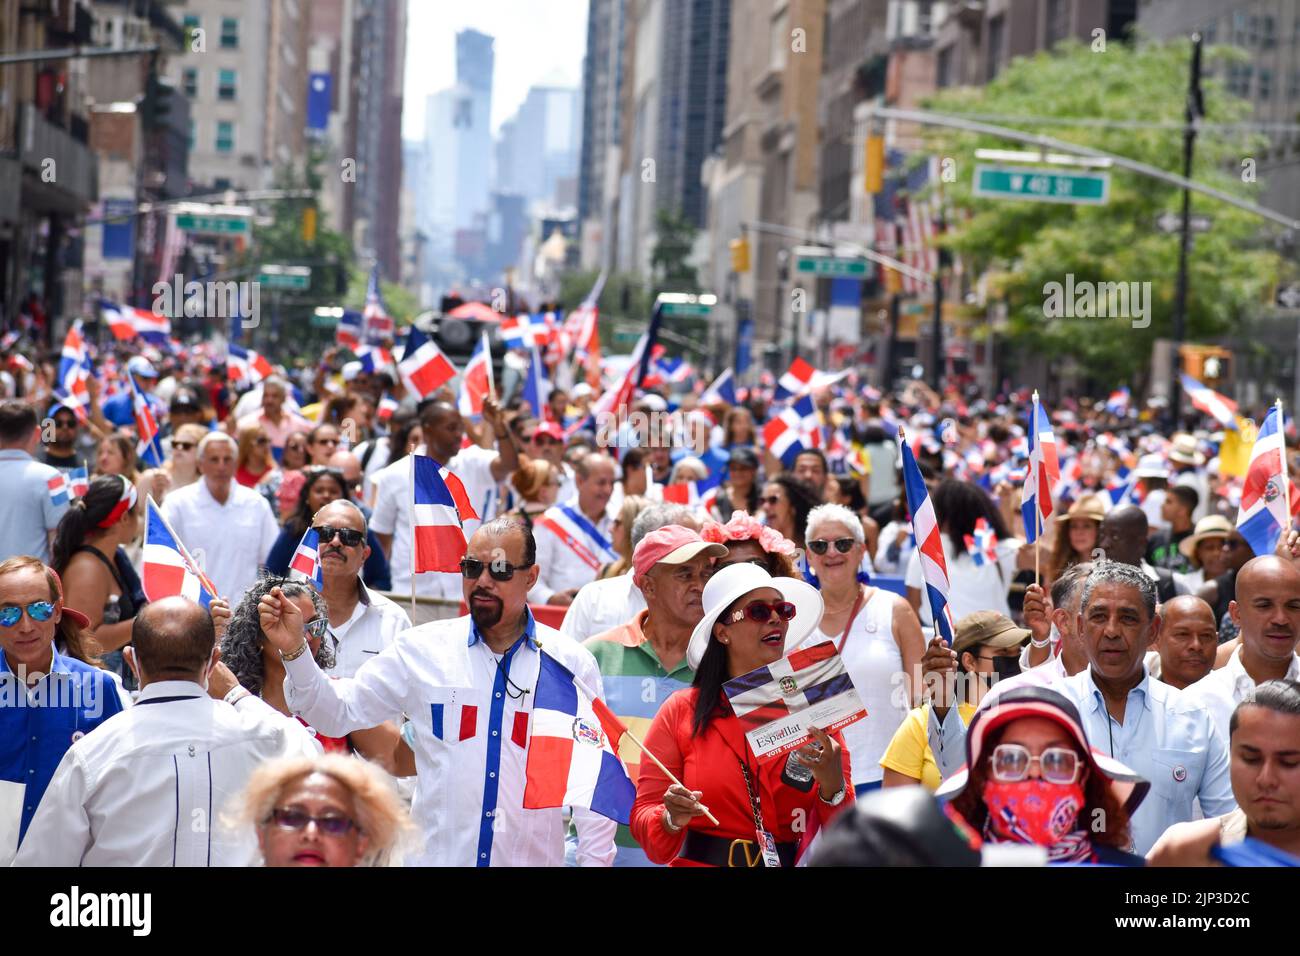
302 649
834 801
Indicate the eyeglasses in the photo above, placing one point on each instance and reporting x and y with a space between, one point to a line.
298 820
183 445
347 537
64 423
472 569
771 500
1011 762
39 611
300 449
326 441
317 627
842 545
761 611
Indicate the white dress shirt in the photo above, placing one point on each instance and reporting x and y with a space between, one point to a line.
392 515
1220 691
375 623
971 587
602 606
471 736
1167 738
148 787
234 538
563 567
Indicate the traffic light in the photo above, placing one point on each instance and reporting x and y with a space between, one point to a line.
874 165
309 224
740 255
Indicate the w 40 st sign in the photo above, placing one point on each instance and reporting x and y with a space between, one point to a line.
1041 185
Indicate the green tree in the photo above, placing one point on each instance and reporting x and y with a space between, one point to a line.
674 240
1026 245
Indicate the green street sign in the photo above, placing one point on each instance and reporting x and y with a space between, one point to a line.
294 278
324 321
1041 185
831 266
621 335
686 310
212 225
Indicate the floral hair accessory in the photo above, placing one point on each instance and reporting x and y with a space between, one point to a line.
742 527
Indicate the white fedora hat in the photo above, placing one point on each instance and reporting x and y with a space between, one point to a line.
734 582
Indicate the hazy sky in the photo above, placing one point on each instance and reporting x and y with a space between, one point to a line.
534 40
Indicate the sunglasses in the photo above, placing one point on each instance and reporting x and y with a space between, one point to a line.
183 445
64 423
39 611
317 627
472 569
347 537
298 820
842 545
326 441
263 441
771 500
761 611
1011 762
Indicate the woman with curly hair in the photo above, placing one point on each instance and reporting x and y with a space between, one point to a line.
748 540
786 502
322 486
256 664
359 818
89 553
1034 779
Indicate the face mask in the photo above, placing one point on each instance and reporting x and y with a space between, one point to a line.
1006 667
1032 811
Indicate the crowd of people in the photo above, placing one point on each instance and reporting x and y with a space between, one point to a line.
1122 686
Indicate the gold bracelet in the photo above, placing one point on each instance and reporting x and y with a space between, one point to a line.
296 654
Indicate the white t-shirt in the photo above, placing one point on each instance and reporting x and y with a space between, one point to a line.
971 587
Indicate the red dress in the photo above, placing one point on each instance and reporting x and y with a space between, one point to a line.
710 763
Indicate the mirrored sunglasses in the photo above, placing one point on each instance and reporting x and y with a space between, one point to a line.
39 611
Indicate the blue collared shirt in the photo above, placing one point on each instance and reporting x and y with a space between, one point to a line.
1166 739
39 723
530 630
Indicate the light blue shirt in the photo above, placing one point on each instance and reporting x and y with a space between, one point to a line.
27 512
1166 739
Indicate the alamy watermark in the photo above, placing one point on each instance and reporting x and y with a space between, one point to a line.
213 300
1098 300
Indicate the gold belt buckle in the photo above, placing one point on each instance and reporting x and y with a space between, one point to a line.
752 857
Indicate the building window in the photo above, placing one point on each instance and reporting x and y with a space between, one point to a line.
1293 88
190 81
943 68
1267 33
226 85
997 35
1058 21
225 137
779 40
1265 91
191 21
229 33
1240 29
221 184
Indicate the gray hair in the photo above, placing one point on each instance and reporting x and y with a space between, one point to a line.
659 516
213 437
276 380
365 525
1113 572
241 648
827 514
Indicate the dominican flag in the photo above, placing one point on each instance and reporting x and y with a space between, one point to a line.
674 370
305 564
694 493
387 406
376 321
982 546
167 569
517 332
584 322
438 516
1118 402
79 482
798 378
1044 472
74 370
245 368
348 332
1207 400
476 380
127 323
1122 489
573 754
795 429
723 389
537 388
424 368
148 446
925 534
374 359
58 486
1264 515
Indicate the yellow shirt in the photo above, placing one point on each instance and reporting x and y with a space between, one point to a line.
909 752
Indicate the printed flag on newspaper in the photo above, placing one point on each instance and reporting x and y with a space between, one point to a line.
776 704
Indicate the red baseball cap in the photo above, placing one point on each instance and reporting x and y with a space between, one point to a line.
550 430
71 613
671 544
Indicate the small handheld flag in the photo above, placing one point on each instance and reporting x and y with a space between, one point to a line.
1044 472
167 569
424 368
439 536
983 545
925 533
1265 512
305 565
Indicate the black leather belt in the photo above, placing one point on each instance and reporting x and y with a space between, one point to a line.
725 852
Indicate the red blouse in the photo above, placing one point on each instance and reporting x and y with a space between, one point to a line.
710 763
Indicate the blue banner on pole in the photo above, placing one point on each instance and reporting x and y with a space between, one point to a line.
119 229
320 99
744 345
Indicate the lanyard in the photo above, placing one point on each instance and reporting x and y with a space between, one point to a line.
853 616
754 803
162 700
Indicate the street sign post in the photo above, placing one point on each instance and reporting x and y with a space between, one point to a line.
294 278
1042 185
816 261
1171 222
212 225
683 305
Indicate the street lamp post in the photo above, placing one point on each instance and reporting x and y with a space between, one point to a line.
1195 109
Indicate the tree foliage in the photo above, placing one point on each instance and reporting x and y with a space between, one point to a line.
670 259
1026 245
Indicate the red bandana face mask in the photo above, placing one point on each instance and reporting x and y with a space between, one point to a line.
1032 811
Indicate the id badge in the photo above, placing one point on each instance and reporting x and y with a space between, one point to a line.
767 843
